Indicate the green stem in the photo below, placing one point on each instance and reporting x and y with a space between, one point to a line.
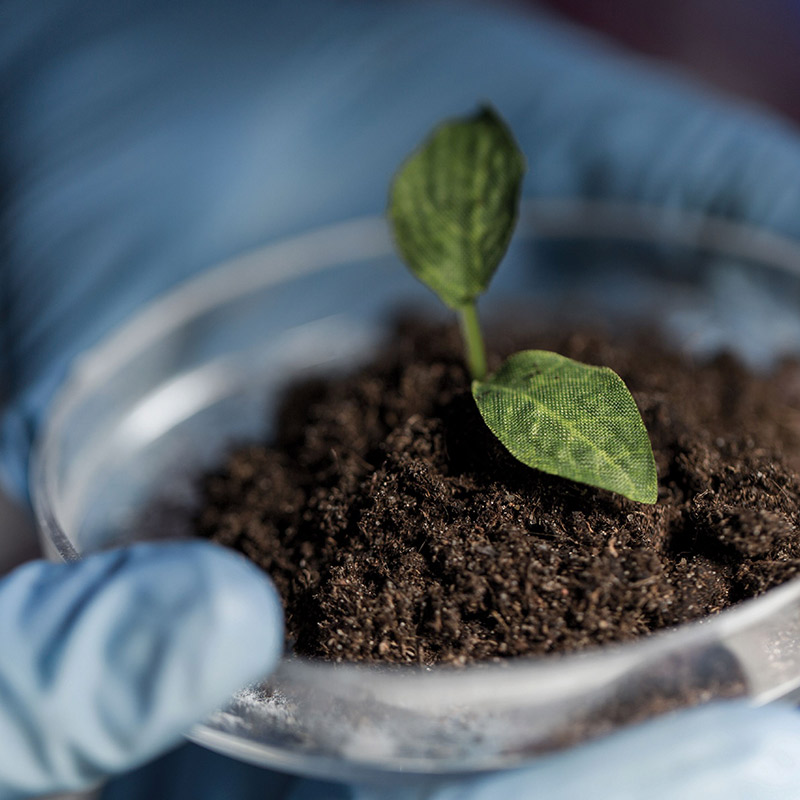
473 341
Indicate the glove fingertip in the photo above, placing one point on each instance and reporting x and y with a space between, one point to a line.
246 612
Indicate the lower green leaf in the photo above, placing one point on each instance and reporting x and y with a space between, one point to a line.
572 420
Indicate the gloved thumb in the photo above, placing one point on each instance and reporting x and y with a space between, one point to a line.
106 662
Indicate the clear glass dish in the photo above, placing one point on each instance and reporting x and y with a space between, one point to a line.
147 410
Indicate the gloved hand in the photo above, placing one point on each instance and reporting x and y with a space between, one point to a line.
106 662
141 144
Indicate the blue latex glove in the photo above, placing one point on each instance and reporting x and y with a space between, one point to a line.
141 144
105 663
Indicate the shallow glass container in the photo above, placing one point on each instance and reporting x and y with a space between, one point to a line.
146 411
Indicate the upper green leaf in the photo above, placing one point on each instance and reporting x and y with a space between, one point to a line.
572 420
453 205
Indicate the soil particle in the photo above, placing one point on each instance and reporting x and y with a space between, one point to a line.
398 529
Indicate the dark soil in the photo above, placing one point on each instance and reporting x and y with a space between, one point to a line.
398 529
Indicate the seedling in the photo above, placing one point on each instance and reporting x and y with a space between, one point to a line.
453 206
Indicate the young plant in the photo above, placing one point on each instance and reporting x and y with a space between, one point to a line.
453 206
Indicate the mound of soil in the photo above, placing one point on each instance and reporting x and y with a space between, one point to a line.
398 529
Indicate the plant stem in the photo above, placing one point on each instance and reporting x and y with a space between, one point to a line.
473 341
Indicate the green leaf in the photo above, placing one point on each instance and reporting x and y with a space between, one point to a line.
453 205
572 420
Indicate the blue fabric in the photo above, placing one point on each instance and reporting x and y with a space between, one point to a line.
143 141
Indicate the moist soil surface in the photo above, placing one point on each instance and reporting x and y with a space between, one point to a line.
398 529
